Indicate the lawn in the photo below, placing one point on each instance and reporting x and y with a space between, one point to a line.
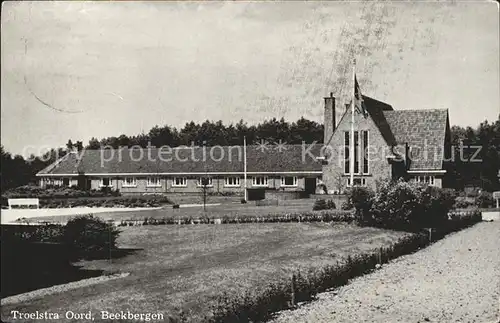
212 211
187 266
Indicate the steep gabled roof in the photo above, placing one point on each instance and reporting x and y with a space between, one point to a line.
376 111
424 131
292 158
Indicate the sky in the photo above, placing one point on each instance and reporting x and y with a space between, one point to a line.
76 70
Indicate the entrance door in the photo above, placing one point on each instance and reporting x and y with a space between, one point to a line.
310 185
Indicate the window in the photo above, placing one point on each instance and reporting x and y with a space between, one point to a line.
425 179
105 182
129 182
179 182
356 152
358 181
364 147
232 181
346 152
289 181
260 181
154 182
347 144
207 179
65 181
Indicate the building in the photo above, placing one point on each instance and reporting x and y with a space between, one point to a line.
409 144
181 170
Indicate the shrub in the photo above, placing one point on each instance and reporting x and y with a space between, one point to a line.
243 201
175 206
88 236
346 206
361 198
462 203
485 200
410 206
319 204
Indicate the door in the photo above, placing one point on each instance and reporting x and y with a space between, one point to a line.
310 185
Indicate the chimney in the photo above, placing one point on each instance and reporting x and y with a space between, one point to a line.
329 122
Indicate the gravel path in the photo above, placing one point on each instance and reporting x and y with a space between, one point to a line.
456 279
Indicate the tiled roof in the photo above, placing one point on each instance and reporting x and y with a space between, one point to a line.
376 111
424 131
291 158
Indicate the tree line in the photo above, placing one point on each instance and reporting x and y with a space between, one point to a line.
17 171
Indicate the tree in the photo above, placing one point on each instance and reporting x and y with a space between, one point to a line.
93 144
69 145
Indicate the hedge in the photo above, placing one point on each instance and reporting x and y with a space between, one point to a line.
123 201
312 216
286 292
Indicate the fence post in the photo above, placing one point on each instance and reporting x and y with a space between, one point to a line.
293 290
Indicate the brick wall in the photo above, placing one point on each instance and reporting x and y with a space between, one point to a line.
218 185
379 167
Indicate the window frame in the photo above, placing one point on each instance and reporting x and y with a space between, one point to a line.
236 178
183 178
295 181
132 184
101 182
149 182
265 179
365 155
199 183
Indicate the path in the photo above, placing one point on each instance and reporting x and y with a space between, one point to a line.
457 279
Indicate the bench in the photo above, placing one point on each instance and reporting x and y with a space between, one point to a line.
24 202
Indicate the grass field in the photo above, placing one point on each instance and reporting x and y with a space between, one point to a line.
187 266
227 209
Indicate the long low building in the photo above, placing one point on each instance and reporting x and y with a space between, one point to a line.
389 144
183 169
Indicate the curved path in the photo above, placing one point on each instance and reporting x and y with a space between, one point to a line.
457 279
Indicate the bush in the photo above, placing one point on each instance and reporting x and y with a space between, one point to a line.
88 236
462 203
485 200
175 206
243 201
346 206
361 198
321 204
330 205
410 206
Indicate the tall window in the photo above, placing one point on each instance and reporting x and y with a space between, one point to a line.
365 145
232 181
346 152
289 181
129 182
179 182
154 182
66 181
347 143
356 152
207 179
260 181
